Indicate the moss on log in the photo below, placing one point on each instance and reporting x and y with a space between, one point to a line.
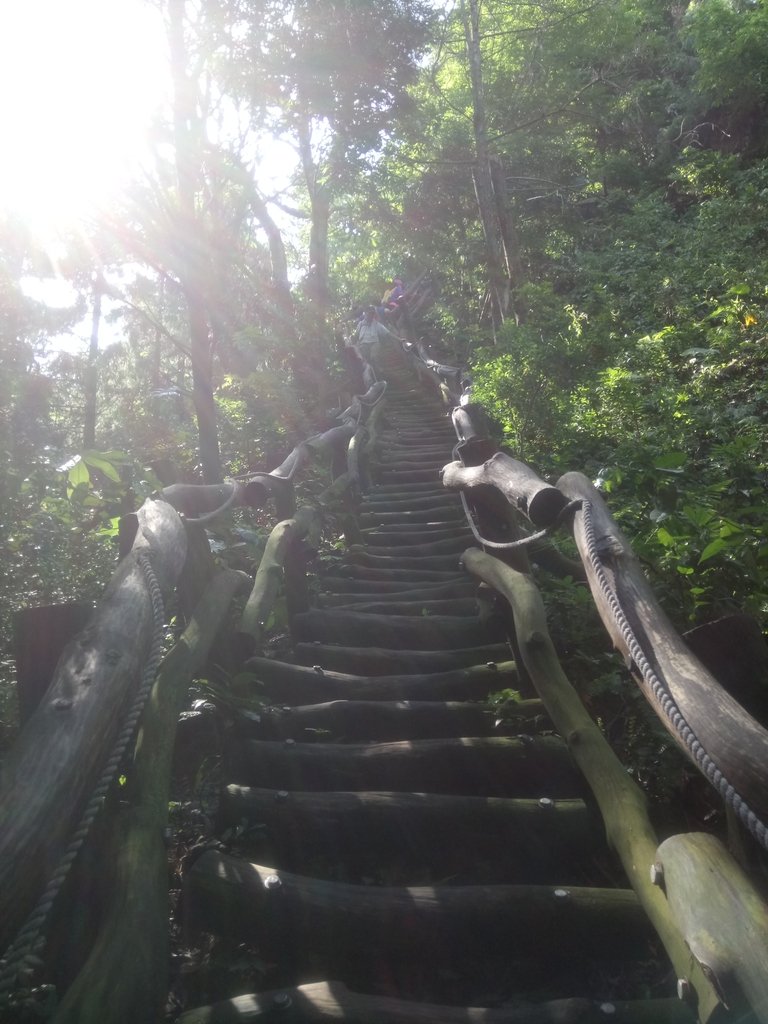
722 917
269 576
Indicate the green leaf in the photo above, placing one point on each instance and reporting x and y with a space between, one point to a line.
78 475
672 462
699 515
96 461
712 549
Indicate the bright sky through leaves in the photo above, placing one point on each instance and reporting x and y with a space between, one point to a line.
80 81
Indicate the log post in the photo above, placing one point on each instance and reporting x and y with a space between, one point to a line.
723 919
269 577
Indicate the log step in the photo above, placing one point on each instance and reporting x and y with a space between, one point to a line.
373 594
283 683
427 606
408 836
380 661
410 536
323 1002
455 542
429 632
348 572
339 586
378 721
412 940
523 766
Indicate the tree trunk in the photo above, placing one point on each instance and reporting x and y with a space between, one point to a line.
192 257
91 373
498 279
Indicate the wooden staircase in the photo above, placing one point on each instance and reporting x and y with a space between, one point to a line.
401 854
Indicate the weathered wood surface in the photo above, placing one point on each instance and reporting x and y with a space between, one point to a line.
722 917
380 661
352 721
283 683
371 574
50 771
737 744
529 766
333 1001
436 592
269 576
734 650
454 543
405 837
362 934
39 637
621 802
428 632
447 584
524 490
113 988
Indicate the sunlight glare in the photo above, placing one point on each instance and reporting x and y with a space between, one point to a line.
81 81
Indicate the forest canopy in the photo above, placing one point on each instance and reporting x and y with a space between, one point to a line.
585 182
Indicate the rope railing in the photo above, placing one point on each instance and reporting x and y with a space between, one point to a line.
515 481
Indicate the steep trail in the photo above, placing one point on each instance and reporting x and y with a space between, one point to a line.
401 855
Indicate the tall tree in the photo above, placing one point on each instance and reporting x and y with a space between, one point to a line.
332 77
188 129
